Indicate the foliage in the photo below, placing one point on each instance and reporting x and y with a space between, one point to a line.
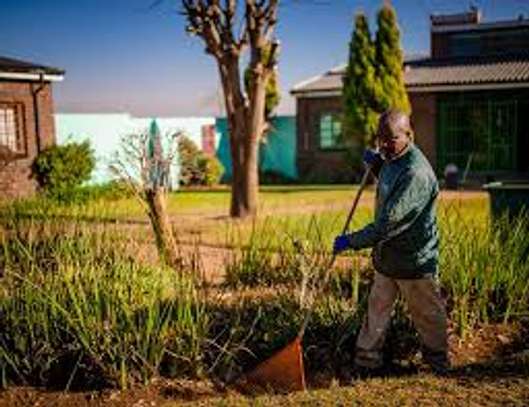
61 168
359 85
189 154
485 269
373 81
195 167
390 89
273 93
211 170
75 311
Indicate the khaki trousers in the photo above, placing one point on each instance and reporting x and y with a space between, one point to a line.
428 313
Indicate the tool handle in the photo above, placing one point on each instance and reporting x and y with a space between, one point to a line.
361 188
363 184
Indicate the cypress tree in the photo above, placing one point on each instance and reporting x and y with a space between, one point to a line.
360 119
390 89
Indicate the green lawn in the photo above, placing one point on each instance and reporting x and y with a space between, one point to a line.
291 209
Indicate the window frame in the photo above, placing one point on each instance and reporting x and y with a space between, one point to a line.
20 134
335 118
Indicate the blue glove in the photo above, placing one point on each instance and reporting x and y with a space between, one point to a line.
372 158
341 243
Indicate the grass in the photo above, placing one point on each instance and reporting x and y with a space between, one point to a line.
79 304
77 311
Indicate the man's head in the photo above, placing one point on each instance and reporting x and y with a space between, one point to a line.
394 133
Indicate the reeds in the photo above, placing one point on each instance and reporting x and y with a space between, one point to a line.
75 309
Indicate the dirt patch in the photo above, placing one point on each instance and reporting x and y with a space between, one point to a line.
490 364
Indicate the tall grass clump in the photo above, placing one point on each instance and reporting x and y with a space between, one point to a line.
484 268
269 253
76 310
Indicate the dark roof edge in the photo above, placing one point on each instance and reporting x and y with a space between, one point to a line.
13 65
471 60
493 25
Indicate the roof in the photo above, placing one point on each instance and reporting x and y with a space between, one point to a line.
11 68
468 72
521 22
428 75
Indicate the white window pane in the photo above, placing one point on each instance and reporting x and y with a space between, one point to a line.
8 128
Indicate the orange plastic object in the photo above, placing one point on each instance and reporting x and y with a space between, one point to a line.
283 371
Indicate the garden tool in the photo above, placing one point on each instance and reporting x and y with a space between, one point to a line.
284 370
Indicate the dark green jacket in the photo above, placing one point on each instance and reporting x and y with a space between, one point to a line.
404 234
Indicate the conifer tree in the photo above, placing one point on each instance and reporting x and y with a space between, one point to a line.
390 89
360 118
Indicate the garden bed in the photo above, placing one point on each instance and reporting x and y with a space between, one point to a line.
113 326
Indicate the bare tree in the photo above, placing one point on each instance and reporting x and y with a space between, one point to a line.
226 37
144 165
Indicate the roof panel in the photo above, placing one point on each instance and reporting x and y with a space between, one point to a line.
428 72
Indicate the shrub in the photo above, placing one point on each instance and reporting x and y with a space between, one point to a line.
60 169
188 154
195 167
210 170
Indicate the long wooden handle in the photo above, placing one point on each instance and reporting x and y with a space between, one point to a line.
361 188
363 184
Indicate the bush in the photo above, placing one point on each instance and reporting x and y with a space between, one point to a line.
210 170
188 154
195 167
60 169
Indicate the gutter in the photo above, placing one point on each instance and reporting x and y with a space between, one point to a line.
38 77
36 115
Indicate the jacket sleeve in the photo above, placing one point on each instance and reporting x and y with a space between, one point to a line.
411 193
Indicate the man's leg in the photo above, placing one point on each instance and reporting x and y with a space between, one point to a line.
371 337
428 313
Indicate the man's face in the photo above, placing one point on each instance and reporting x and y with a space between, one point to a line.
392 140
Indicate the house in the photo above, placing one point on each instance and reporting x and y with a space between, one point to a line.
469 101
105 131
26 122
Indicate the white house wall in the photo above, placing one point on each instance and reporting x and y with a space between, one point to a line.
105 131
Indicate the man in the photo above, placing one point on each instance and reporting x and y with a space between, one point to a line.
405 242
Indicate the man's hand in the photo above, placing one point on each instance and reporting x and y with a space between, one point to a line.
341 243
372 158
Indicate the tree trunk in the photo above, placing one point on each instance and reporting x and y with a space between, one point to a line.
243 143
255 131
161 225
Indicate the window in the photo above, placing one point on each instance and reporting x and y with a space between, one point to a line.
477 131
464 44
10 136
330 131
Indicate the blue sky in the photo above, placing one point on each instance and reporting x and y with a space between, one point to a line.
125 56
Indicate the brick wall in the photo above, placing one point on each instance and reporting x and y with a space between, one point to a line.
16 179
315 164
424 119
